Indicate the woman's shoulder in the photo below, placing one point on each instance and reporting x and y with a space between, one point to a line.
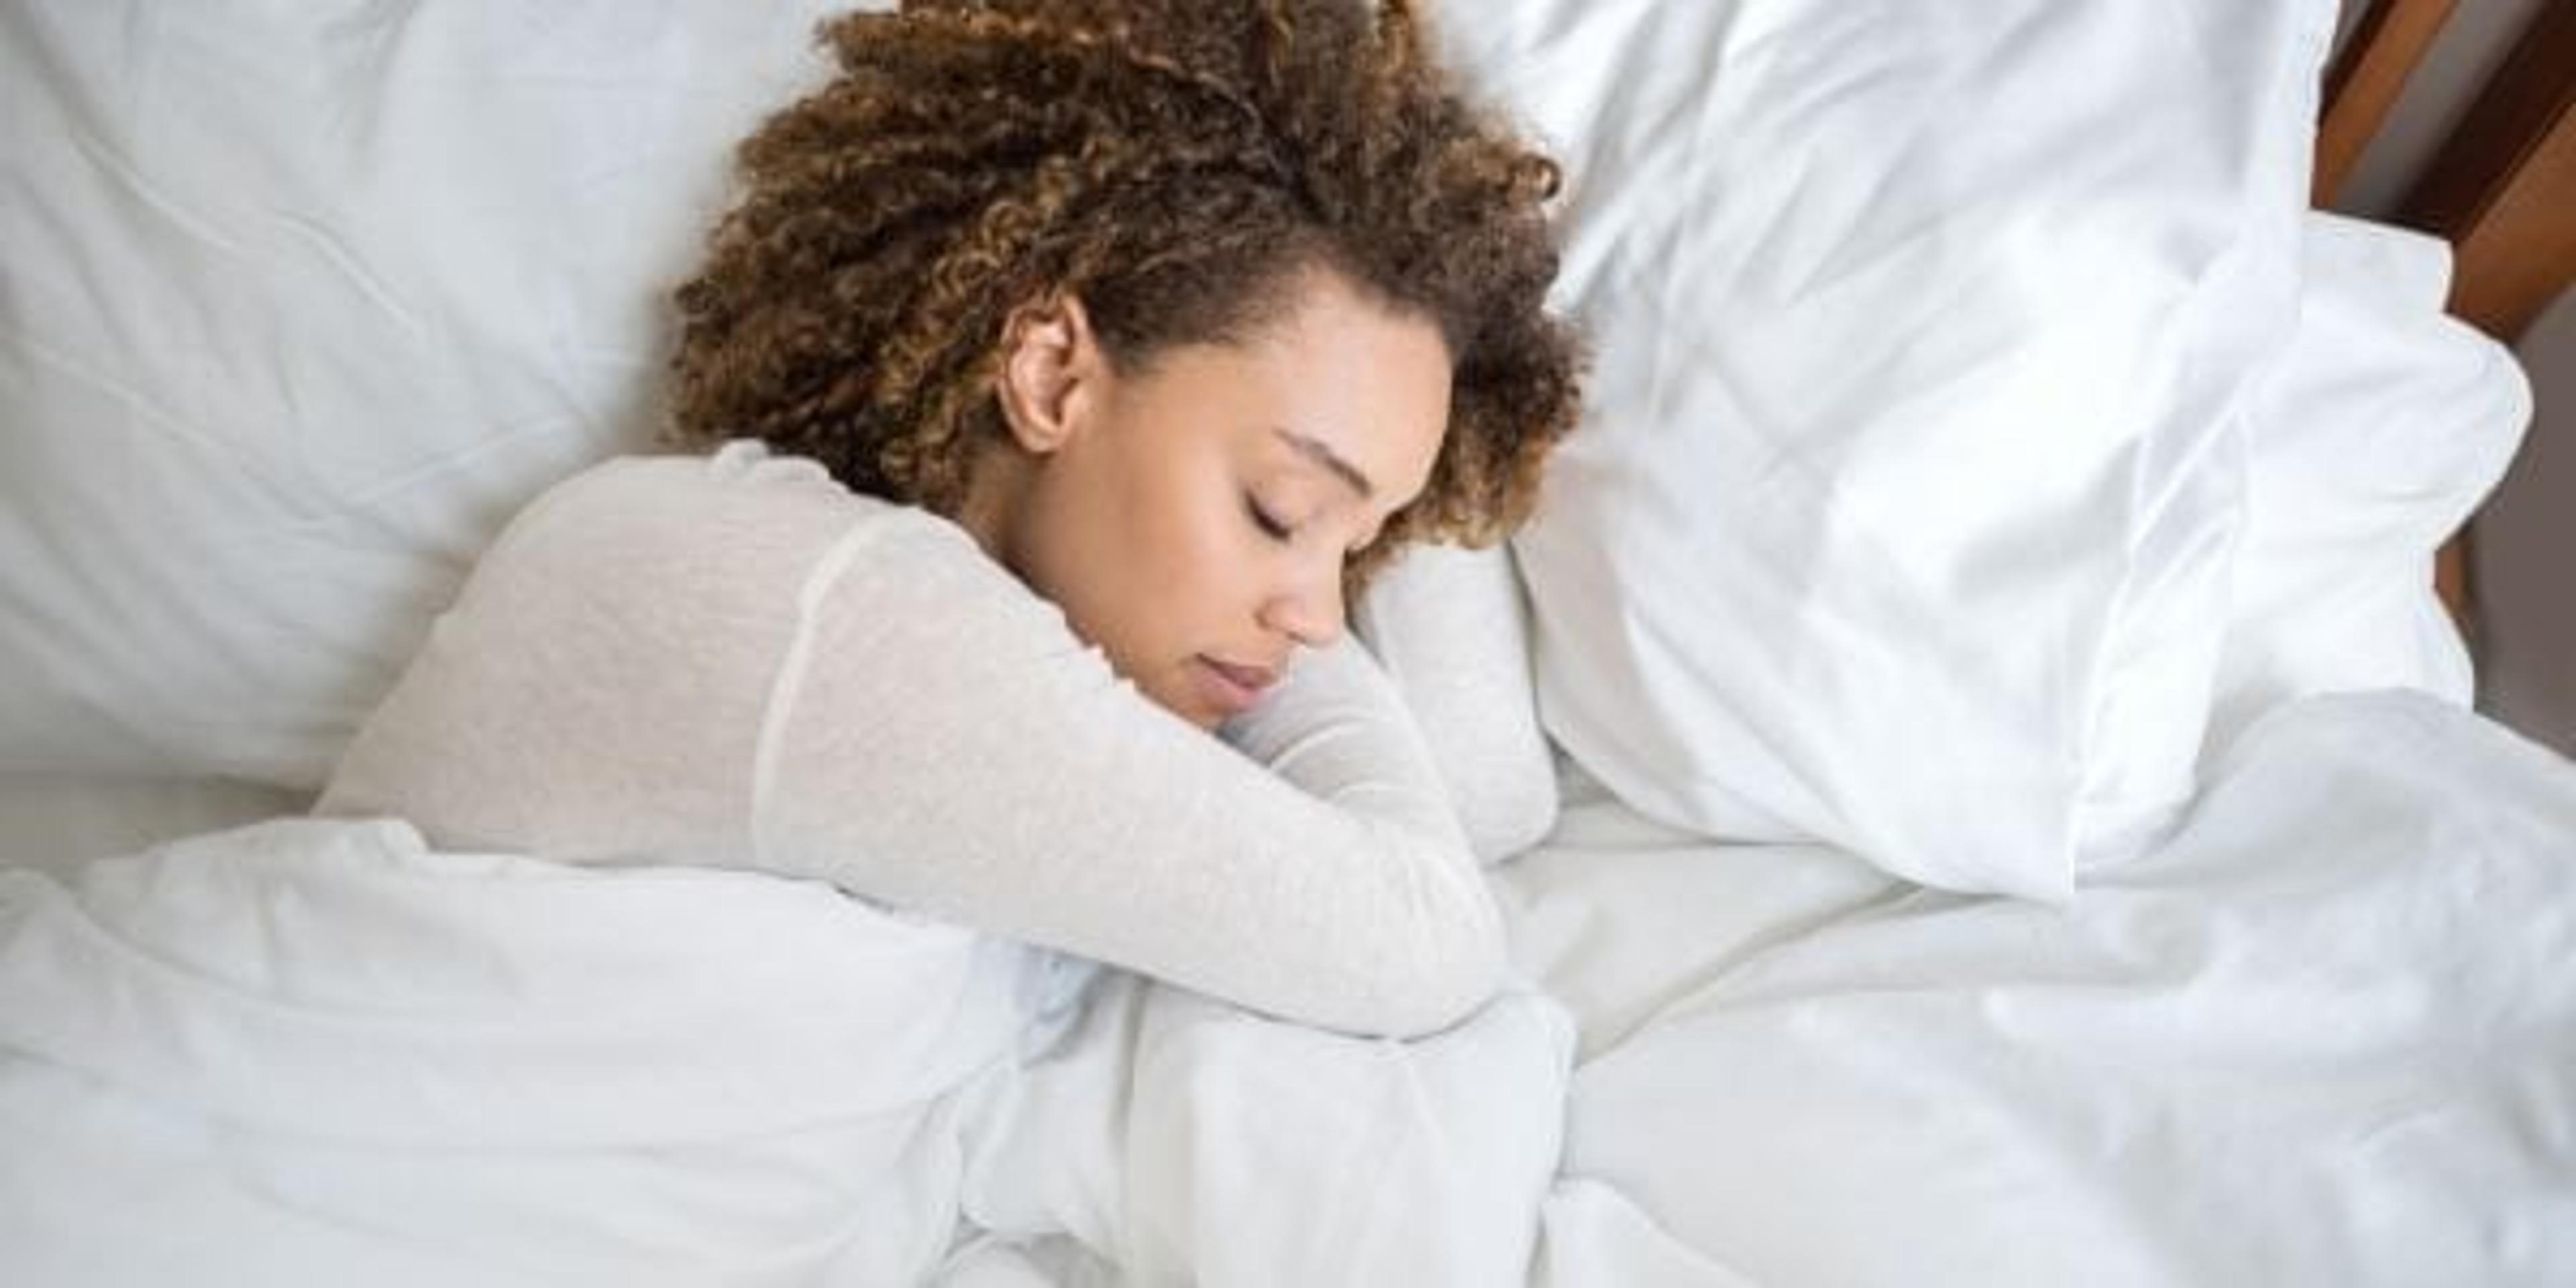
743 473
745 512
742 497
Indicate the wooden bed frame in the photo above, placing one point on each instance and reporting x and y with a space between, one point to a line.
2502 188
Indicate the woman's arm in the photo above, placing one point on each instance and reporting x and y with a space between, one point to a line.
1450 629
991 769
740 664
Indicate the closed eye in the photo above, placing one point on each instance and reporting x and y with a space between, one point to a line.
1270 527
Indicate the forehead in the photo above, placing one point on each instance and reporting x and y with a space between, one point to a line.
1345 378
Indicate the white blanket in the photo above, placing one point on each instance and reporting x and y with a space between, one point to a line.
2327 1034
316 1052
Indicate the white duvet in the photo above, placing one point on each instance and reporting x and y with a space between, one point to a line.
310 1052
2327 1034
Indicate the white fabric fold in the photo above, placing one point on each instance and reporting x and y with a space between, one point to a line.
342 981
314 1051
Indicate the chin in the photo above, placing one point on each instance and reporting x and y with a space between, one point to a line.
1196 714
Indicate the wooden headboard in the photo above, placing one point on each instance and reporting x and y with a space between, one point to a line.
2502 188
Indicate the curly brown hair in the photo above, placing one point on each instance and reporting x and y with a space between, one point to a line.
1171 163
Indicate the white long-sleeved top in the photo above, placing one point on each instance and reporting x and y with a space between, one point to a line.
735 661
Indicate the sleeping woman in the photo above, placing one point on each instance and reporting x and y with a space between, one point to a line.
1062 369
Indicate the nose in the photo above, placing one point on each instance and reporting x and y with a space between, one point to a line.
1309 608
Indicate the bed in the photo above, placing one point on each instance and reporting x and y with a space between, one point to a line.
1989 793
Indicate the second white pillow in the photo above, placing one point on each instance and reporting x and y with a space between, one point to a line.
2382 427
1903 515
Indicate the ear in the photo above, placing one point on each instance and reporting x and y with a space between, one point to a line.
1051 372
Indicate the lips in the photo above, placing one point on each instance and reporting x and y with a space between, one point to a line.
1230 688
1253 678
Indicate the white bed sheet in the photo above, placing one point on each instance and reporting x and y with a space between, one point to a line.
2327 1035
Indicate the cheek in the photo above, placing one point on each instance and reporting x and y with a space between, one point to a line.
1185 526
1173 564
1203 553
1143 560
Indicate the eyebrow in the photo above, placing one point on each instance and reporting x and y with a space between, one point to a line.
1315 451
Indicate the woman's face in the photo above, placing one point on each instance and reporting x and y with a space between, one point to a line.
1191 518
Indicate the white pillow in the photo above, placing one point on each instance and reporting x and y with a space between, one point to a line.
2379 431
302 302
1903 514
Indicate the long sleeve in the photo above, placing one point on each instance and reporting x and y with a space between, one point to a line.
1450 629
736 662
